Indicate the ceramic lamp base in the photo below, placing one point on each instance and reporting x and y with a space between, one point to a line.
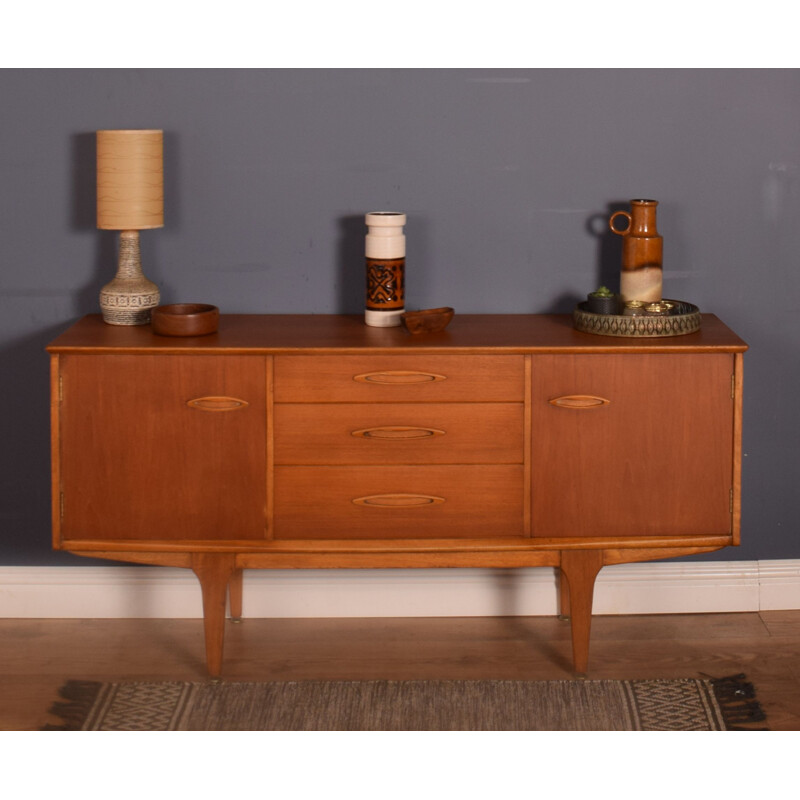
130 297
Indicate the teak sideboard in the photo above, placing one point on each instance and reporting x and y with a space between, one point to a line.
305 441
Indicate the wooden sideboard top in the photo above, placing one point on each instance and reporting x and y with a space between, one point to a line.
311 333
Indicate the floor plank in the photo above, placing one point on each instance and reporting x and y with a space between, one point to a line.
38 656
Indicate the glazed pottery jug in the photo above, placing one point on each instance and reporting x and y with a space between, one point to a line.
642 250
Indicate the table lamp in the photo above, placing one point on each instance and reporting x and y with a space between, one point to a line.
130 198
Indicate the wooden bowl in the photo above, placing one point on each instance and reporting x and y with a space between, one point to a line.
429 320
185 319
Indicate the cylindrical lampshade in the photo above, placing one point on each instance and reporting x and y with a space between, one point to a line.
130 180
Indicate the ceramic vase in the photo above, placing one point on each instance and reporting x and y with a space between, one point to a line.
642 252
385 248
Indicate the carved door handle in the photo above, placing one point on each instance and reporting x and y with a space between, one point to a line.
398 500
398 376
579 401
217 404
395 433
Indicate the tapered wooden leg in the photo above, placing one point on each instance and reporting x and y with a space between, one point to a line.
580 567
563 596
235 594
214 573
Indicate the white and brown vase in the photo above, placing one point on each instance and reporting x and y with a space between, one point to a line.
386 264
642 253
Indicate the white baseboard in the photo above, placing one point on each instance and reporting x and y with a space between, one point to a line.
160 592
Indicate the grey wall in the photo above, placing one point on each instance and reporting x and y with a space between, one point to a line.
507 177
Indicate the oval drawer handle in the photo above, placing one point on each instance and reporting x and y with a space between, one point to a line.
399 500
397 433
579 401
217 404
398 376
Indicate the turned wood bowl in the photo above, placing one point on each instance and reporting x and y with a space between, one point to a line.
428 320
185 319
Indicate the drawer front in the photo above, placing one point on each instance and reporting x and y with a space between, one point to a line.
394 433
398 379
398 502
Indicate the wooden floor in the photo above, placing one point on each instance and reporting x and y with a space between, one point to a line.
37 656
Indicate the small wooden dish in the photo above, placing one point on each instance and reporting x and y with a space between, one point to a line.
429 320
185 319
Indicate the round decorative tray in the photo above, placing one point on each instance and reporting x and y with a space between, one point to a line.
681 319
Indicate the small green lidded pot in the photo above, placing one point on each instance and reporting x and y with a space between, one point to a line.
602 301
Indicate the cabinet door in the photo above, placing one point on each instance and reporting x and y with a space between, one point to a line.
633 445
163 447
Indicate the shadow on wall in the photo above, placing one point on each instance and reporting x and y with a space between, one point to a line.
84 218
609 246
25 522
350 265
608 259
25 513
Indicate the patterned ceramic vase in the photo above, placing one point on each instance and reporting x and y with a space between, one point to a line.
386 264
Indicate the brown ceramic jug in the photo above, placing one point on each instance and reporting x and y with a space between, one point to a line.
642 250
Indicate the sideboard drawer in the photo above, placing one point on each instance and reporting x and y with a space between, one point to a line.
398 502
399 433
398 379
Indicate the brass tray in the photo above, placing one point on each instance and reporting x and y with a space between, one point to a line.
683 318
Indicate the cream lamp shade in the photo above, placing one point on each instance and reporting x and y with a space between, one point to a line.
130 179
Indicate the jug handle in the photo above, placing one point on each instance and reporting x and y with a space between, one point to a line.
620 214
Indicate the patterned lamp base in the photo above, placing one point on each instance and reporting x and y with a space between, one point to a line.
130 297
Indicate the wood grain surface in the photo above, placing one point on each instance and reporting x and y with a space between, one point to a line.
399 433
136 460
656 459
321 333
38 656
318 502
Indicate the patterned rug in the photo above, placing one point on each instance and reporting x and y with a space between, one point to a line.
587 705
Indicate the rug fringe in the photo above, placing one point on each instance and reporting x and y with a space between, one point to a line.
736 698
79 697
